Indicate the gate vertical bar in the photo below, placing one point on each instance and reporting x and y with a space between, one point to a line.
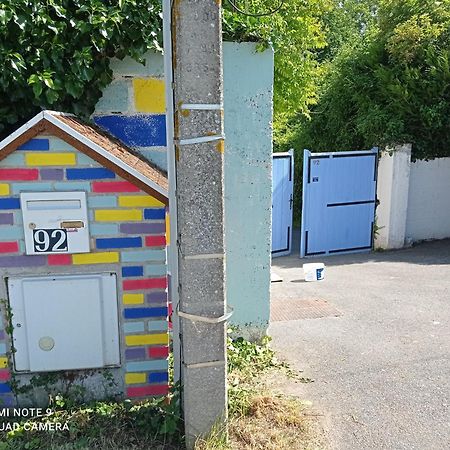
306 156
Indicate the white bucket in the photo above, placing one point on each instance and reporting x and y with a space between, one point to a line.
314 271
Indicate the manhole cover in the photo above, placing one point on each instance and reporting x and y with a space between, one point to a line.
295 309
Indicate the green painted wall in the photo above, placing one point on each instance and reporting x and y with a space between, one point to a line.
248 92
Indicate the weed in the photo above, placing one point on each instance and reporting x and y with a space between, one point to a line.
258 418
154 423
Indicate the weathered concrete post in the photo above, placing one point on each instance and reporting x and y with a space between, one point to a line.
198 99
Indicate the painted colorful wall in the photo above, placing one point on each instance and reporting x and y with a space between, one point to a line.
132 108
127 229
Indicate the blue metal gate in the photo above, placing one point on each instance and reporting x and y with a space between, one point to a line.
282 200
339 194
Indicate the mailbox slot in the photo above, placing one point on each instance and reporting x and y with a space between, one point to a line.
55 222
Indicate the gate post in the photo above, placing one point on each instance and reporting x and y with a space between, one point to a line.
392 194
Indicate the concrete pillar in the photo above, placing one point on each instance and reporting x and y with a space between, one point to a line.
392 193
198 100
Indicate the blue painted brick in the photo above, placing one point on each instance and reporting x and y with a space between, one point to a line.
132 271
14 160
94 173
155 213
142 366
133 327
158 377
155 269
17 188
136 131
4 388
157 325
35 144
2 349
102 201
125 242
73 186
9 203
7 233
144 256
137 313
85 160
101 229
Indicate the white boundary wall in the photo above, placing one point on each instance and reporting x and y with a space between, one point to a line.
429 200
414 199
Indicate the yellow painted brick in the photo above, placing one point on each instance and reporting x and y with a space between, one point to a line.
149 95
167 229
135 378
147 339
4 189
96 258
50 159
3 362
133 299
118 215
138 200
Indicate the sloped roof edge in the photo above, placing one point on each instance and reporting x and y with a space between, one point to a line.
158 186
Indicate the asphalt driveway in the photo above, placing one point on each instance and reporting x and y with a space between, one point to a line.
381 367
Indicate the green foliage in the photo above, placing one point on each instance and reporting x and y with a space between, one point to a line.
386 80
296 33
246 362
154 423
392 87
55 54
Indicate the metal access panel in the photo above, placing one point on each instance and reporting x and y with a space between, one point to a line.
64 322
282 202
339 199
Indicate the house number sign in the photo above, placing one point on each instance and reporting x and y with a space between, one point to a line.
50 240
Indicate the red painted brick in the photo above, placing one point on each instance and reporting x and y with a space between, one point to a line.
19 174
5 375
155 241
9 247
146 283
114 186
158 352
59 260
144 391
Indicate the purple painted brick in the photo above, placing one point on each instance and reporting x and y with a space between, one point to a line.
52 174
7 401
6 219
156 297
134 353
2 335
142 228
23 261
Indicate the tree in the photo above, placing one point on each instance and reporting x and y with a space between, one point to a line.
391 86
296 33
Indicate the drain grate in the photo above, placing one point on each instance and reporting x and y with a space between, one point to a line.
295 309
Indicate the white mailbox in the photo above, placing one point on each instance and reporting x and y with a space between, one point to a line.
64 322
55 222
